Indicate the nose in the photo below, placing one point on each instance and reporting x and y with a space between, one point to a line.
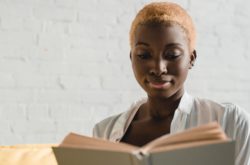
158 68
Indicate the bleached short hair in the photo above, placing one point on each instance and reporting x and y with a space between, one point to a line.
164 13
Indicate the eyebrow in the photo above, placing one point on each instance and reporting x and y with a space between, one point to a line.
173 44
141 43
168 45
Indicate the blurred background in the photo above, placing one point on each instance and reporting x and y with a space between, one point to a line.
64 64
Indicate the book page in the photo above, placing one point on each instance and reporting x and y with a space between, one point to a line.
200 135
208 132
184 145
79 141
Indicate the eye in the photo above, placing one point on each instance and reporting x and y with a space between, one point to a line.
144 56
172 54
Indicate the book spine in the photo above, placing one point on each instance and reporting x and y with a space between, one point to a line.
139 158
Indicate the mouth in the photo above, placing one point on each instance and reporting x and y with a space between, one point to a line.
160 84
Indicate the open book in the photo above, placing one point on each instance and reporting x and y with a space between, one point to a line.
206 145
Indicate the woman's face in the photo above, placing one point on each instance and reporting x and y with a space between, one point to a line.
161 59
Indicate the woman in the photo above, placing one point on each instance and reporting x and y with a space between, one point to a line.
162 40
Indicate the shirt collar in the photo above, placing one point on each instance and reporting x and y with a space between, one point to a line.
186 103
125 119
122 123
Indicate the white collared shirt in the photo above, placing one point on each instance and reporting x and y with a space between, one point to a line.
191 112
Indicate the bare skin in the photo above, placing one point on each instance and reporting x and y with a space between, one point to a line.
160 59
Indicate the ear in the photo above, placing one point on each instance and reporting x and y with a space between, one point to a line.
193 57
130 56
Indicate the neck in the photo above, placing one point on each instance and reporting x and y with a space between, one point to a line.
162 108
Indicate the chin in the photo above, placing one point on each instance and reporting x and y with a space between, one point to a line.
161 95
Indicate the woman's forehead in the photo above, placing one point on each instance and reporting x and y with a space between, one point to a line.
160 34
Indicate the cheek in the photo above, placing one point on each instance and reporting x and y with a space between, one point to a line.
136 70
179 69
139 67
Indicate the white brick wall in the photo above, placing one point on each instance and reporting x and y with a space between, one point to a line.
64 64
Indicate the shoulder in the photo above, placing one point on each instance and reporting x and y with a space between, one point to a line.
206 104
231 116
103 128
208 110
238 119
114 126
210 106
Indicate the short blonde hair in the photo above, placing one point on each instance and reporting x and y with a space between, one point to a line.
164 13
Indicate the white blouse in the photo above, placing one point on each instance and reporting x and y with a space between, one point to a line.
191 112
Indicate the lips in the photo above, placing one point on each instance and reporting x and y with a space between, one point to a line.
160 84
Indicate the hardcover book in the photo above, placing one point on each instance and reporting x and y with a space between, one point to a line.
203 145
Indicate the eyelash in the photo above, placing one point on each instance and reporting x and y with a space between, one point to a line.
144 56
172 57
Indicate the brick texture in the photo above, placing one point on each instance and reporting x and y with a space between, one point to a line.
64 64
